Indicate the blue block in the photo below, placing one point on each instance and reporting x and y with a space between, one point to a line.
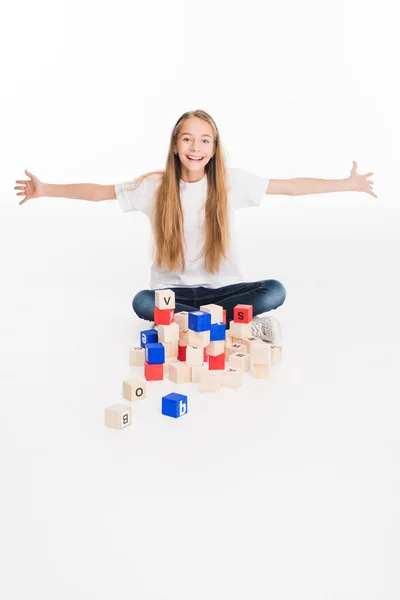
155 353
174 405
218 332
199 320
148 336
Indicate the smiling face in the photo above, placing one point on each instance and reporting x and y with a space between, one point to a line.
195 141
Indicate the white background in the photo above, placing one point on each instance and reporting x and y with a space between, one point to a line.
287 488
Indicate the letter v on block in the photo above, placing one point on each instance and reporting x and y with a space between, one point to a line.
164 299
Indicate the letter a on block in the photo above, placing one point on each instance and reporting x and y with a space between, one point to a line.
164 299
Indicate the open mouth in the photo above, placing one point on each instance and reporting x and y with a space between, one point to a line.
195 159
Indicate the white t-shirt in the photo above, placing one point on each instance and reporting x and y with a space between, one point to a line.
244 190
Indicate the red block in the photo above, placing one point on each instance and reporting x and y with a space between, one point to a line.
182 353
224 316
243 313
216 362
204 354
163 316
153 372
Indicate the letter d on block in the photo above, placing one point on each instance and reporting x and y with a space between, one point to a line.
182 408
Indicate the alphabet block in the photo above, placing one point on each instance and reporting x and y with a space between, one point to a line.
199 320
209 382
179 372
240 330
260 354
231 377
171 348
194 355
247 342
217 332
155 353
163 316
216 362
239 360
215 311
134 389
136 356
243 313
232 348
199 338
154 372
276 354
148 336
182 318
164 299
117 416
168 333
174 405
216 348
197 371
184 338
260 371
224 316
182 353
168 361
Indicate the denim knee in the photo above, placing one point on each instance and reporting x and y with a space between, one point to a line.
143 304
276 288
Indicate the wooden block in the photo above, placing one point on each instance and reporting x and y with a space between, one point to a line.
164 299
194 355
216 362
260 354
117 416
247 341
168 333
136 356
163 316
276 354
240 330
199 338
232 348
231 377
174 405
182 353
184 338
179 372
182 318
216 312
134 389
215 348
197 371
171 348
210 382
168 361
239 360
199 320
224 316
243 313
260 371
154 372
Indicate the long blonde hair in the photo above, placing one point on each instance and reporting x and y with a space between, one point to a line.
168 214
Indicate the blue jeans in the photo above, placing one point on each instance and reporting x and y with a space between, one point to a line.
264 295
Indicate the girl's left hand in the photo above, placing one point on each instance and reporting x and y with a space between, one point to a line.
360 183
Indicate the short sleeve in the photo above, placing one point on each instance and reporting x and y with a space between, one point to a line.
132 197
246 188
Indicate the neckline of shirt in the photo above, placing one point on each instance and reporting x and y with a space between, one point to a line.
191 183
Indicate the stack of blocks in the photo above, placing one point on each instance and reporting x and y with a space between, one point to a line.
193 347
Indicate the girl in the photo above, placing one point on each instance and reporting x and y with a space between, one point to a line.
191 206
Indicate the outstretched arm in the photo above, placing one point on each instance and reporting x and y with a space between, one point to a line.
302 185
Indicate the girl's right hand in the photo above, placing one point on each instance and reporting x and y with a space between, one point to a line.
32 188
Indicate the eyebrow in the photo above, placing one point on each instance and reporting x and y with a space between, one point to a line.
204 134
